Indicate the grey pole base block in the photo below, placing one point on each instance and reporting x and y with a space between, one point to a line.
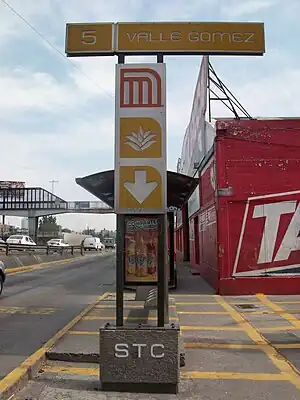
139 359
158 388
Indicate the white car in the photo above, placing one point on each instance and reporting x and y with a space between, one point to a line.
92 243
57 243
20 239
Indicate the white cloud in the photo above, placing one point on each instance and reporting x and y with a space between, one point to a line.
12 26
32 91
35 154
39 91
81 109
98 77
238 8
275 95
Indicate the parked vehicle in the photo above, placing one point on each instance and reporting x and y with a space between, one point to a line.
74 239
92 243
109 243
2 276
57 243
2 241
20 239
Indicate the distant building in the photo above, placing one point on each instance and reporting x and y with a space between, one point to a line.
24 223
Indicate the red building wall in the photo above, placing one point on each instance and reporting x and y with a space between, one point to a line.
246 236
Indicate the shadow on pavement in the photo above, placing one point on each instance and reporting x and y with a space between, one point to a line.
191 284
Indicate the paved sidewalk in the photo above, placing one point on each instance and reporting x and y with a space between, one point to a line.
236 348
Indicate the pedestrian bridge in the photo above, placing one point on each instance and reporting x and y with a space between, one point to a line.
37 202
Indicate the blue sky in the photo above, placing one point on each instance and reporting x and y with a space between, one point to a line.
55 123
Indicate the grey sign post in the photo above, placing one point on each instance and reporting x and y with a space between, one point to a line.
140 165
140 358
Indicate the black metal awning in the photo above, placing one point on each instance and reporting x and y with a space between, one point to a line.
179 187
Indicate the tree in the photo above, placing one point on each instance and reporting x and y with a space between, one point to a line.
89 231
48 224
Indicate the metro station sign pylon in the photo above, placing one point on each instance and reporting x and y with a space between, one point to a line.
140 154
140 169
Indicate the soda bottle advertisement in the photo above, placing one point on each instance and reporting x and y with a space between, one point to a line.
141 249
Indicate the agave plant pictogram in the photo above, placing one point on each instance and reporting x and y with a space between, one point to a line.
140 140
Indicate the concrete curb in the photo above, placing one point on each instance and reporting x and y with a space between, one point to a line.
20 376
34 266
12 271
25 260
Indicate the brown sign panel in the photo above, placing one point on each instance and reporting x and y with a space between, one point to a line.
89 39
191 37
223 38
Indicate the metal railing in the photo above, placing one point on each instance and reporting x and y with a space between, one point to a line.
88 205
54 234
37 198
10 249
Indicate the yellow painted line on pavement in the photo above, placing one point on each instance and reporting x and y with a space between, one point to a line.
198 303
201 296
103 307
202 345
127 307
243 303
72 370
287 346
210 328
27 311
25 370
182 328
278 360
95 318
237 346
277 328
275 307
83 332
185 375
287 302
270 312
234 375
203 312
193 328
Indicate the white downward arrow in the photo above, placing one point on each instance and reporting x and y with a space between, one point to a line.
140 189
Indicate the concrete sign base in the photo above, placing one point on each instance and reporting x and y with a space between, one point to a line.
139 360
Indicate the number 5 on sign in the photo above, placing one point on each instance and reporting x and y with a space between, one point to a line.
89 37
92 39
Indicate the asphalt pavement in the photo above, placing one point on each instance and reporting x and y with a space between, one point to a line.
237 347
38 303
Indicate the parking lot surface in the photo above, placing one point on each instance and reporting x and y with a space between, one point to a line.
235 349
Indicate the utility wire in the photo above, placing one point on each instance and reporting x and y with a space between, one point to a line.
55 48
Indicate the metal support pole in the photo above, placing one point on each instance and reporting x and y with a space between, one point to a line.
162 284
3 225
120 270
120 240
160 58
121 58
172 261
33 226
